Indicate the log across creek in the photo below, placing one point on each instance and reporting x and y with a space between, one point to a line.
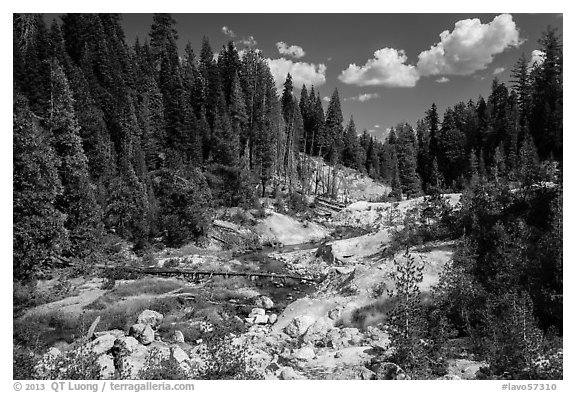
197 274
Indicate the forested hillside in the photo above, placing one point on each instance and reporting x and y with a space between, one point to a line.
137 141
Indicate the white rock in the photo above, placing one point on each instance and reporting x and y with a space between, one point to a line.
304 353
272 318
178 336
264 302
179 355
143 333
288 373
298 326
106 363
257 311
261 319
103 344
150 317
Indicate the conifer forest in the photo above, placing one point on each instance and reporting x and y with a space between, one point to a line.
183 211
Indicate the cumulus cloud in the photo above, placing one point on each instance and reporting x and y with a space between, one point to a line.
326 99
470 47
302 73
363 97
228 32
248 41
442 80
292 50
537 57
387 68
376 125
498 70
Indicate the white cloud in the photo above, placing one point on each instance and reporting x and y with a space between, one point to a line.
248 41
442 80
470 47
292 50
387 68
376 125
228 32
326 99
498 70
302 73
537 57
363 97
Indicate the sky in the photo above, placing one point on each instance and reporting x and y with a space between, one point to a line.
388 68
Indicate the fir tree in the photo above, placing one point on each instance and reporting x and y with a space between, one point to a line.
78 202
38 227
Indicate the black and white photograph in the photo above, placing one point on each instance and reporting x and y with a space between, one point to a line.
286 196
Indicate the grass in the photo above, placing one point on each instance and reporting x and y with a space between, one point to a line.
150 286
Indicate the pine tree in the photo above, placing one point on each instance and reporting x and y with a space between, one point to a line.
334 131
433 124
350 151
546 116
78 202
38 227
406 153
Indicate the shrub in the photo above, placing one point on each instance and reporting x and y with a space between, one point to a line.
158 367
79 363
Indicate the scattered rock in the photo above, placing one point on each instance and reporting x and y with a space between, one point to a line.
257 311
178 336
288 373
317 331
335 314
150 317
264 302
338 355
130 356
261 319
272 318
103 344
464 368
304 353
298 326
143 333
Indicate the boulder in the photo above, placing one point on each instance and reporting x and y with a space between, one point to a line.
103 344
150 317
288 373
304 353
257 311
143 333
178 336
261 319
130 356
106 363
335 314
264 302
298 326
317 331
272 318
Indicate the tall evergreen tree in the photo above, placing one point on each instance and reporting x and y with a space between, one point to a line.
78 202
38 227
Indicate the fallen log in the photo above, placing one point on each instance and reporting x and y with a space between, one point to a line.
195 273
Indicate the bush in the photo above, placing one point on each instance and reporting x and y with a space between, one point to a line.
79 363
162 368
225 360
